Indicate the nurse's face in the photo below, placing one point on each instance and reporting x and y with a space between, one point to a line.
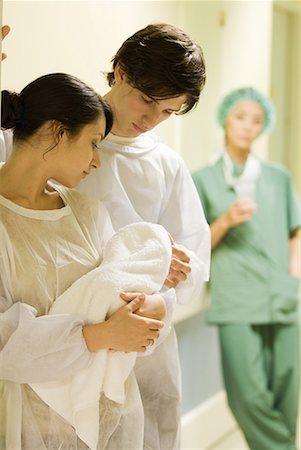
243 125
134 112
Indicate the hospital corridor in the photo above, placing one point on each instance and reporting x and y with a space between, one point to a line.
189 111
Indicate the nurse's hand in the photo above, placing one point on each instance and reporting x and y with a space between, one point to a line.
239 212
5 31
124 331
153 305
179 267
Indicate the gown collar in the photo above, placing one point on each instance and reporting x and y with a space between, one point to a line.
139 145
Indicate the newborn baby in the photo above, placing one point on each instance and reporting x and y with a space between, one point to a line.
136 259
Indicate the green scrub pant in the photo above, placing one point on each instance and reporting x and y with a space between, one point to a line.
261 375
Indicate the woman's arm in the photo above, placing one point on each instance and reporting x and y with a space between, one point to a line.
48 348
44 348
124 331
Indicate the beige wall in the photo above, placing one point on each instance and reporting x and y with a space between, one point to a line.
80 37
246 50
285 142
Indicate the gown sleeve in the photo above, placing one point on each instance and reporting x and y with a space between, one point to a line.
183 217
36 349
6 144
43 348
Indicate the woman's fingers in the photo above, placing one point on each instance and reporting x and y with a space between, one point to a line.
129 296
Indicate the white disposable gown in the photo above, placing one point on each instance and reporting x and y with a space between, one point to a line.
142 179
136 258
41 254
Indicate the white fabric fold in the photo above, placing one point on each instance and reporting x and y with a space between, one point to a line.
166 195
244 184
136 258
6 144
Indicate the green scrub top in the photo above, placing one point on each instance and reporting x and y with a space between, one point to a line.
250 280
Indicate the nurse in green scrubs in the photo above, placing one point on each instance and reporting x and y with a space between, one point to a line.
254 216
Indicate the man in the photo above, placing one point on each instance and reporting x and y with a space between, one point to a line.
157 72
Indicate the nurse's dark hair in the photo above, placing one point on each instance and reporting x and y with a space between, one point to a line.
163 62
58 96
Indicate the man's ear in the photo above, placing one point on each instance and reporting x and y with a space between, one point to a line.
119 74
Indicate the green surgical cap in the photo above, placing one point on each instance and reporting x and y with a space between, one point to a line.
245 94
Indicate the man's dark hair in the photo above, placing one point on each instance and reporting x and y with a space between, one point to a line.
163 62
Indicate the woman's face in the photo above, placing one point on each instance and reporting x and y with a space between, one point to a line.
243 124
79 155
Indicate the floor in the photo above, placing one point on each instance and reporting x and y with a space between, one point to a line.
236 441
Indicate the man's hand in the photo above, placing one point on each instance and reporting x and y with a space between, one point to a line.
5 31
179 267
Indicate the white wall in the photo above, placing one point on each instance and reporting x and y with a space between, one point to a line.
80 37
198 128
285 142
246 49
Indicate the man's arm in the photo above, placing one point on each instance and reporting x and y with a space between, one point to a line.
183 217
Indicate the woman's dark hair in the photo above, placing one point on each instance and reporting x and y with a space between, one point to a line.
162 61
57 96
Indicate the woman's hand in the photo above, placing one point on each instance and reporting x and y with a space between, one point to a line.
152 307
124 331
239 212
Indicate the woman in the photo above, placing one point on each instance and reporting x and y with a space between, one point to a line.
50 236
254 218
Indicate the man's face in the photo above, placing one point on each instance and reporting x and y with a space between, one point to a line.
134 112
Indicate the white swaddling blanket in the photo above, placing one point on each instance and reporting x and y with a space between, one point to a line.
136 259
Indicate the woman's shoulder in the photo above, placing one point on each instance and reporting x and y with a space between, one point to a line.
275 169
79 201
